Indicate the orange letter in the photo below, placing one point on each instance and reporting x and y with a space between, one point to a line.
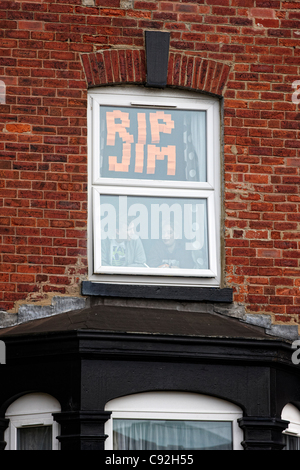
120 128
157 153
139 147
156 128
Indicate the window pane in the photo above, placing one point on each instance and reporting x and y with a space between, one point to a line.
141 143
154 232
167 435
34 438
291 442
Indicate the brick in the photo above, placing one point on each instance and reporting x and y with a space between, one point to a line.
18 128
48 288
262 13
40 260
281 300
23 278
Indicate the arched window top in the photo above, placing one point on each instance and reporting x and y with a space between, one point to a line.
124 66
33 403
31 424
183 402
292 414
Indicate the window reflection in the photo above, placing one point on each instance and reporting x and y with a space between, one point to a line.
137 434
154 232
291 442
34 438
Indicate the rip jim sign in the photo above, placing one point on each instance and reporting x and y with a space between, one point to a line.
148 144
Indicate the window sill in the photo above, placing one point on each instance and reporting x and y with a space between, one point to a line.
184 293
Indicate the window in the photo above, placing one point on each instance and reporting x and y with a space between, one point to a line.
160 434
34 437
292 433
154 182
173 420
31 425
291 442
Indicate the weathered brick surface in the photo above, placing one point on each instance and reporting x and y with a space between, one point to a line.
246 51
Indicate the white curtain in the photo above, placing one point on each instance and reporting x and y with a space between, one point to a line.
34 438
167 435
194 137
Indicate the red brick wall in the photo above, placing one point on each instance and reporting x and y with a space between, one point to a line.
46 50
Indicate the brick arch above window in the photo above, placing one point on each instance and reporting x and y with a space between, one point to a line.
126 66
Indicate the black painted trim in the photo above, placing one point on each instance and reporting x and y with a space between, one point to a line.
4 423
193 294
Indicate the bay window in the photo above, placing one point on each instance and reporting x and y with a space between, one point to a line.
154 200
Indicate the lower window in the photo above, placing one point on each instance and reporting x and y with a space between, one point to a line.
31 424
166 233
291 442
34 438
129 434
172 421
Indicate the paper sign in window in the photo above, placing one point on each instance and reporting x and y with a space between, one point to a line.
140 146
114 128
157 127
157 153
147 144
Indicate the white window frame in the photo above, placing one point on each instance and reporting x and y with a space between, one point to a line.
34 409
209 190
174 406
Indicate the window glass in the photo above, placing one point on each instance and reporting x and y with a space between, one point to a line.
291 442
34 438
141 143
154 232
129 434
